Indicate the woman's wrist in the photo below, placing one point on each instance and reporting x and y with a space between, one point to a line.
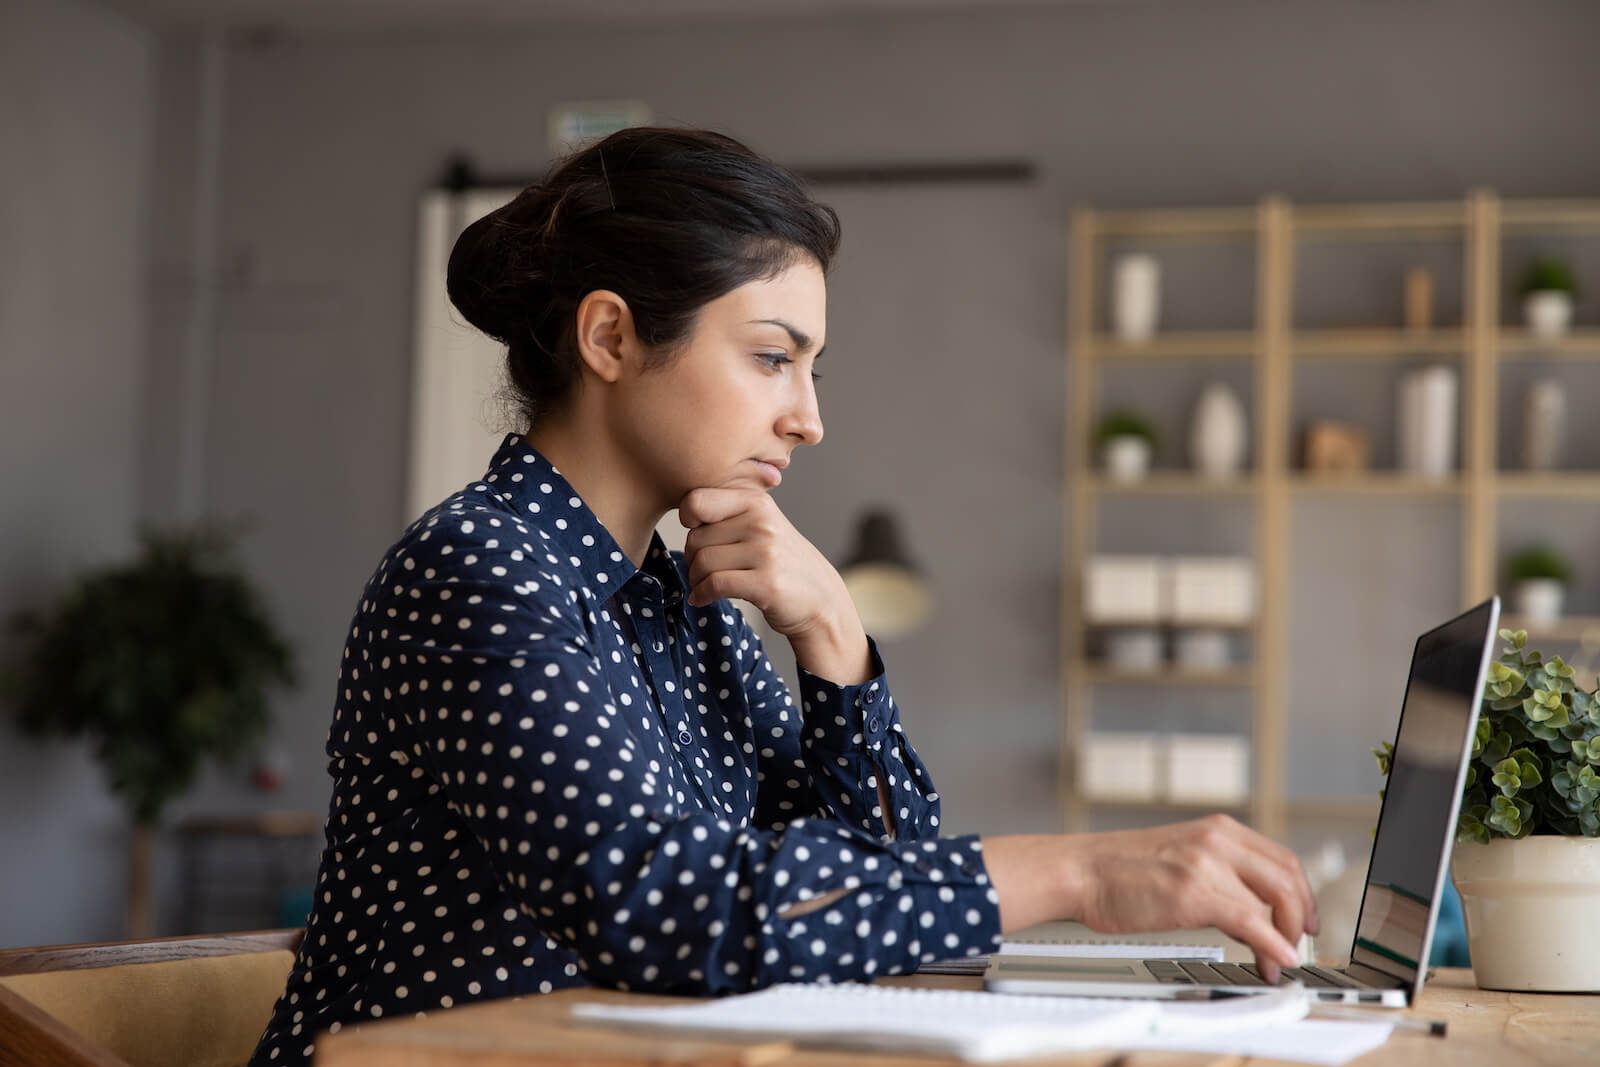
836 651
1036 876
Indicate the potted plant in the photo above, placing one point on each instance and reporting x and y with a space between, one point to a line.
161 663
1548 289
1126 441
1526 861
1538 575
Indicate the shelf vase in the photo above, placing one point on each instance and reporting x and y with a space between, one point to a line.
1530 907
1218 437
1544 420
1427 430
1548 313
1136 298
1539 600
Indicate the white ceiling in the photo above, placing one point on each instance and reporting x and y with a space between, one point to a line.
352 15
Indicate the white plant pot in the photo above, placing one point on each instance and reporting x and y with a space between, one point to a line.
1539 599
1127 458
1219 435
1548 313
1530 906
1136 298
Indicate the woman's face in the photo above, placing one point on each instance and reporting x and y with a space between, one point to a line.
738 397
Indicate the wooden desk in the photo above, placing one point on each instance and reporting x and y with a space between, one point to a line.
1486 1030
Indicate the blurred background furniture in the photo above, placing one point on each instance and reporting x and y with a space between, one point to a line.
249 870
196 1001
1297 355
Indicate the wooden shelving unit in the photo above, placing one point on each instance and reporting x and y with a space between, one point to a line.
1270 351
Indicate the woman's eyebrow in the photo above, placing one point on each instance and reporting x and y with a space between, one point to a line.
801 339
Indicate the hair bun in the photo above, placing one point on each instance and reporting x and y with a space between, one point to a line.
489 277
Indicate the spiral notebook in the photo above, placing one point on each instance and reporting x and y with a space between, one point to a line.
985 1027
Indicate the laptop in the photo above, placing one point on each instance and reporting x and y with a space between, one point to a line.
1410 854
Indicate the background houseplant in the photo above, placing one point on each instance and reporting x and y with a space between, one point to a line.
161 662
1538 575
1126 441
1548 289
1527 858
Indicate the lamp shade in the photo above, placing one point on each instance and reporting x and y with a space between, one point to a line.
888 589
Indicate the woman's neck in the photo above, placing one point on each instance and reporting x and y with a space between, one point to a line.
603 477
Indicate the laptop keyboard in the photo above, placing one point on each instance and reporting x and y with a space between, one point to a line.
1197 972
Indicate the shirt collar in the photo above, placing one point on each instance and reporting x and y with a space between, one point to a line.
543 497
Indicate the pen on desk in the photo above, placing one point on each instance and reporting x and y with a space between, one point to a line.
1431 1027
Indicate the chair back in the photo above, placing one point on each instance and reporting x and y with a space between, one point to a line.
202 1001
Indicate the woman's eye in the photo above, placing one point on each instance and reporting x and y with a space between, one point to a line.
774 359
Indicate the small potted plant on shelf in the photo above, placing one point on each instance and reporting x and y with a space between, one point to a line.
1538 575
1548 289
161 662
1526 860
1126 440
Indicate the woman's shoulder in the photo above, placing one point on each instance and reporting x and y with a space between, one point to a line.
474 534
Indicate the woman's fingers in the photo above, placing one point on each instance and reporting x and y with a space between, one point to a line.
700 507
1274 887
730 556
1267 869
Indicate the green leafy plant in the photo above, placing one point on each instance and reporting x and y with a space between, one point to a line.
1125 422
1539 561
1535 754
1549 275
161 662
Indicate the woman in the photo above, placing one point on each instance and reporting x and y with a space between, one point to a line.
560 756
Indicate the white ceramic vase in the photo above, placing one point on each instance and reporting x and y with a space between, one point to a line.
1136 298
1127 458
1548 313
1539 600
1530 907
1544 421
1219 435
1427 416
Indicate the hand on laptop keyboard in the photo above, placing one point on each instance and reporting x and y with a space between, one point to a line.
1206 872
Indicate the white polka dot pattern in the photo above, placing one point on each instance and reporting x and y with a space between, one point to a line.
550 769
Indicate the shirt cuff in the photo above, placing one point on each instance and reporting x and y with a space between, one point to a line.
845 719
957 909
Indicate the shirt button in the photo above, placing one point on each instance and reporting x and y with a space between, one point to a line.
869 697
969 868
685 737
922 866
873 725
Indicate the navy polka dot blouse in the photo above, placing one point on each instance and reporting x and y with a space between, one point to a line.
551 770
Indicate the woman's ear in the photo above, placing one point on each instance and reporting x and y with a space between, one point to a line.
605 333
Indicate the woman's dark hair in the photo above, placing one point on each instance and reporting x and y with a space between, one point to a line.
668 219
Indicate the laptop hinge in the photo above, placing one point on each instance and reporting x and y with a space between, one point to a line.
1373 977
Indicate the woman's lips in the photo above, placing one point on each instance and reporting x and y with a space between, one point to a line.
770 474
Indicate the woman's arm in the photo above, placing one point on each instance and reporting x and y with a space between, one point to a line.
493 694
1208 872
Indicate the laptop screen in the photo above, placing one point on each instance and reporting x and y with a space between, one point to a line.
1417 823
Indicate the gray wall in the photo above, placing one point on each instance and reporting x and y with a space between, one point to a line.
327 143
75 175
